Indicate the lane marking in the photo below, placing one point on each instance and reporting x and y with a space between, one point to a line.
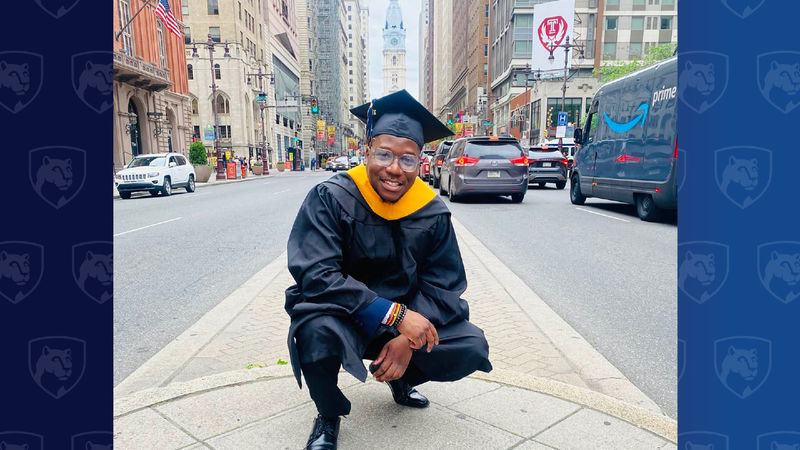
148 226
601 214
281 192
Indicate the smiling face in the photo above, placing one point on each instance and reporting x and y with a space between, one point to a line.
391 182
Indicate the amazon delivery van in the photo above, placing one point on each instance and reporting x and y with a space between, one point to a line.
629 146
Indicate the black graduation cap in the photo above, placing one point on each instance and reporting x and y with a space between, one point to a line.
399 114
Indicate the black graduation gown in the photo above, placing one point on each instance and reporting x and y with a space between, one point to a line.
347 247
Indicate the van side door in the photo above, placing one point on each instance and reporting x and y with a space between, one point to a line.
586 155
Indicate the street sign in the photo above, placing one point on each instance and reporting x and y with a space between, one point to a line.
562 119
208 133
261 97
488 124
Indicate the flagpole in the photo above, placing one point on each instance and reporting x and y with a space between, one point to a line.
119 33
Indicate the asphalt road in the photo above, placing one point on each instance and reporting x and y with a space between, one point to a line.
608 274
195 250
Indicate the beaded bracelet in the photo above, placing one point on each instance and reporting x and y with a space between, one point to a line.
400 316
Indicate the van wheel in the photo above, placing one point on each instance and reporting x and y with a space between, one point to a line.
451 193
575 195
561 184
517 198
646 208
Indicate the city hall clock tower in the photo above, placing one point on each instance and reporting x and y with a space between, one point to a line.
394 50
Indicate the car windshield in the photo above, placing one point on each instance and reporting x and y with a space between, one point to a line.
152 161
342 159
542 154
493 150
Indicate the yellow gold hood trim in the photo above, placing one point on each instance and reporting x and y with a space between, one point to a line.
412 201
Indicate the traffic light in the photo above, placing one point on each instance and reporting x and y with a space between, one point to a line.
314 107
295 137
449 118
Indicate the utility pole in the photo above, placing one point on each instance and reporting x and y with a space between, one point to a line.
262 104
566 46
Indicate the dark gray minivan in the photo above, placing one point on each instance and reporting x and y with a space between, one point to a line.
629 145
485 165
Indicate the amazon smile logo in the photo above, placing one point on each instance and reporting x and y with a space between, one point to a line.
618 127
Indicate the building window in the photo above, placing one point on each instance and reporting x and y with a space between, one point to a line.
394 60
666 23
349 17
190 71
127 33
349 7
485 69
635 50
485 49
349 26
162 46
214 32
612 3
351 44
184 8
652 2
589 53
523 48
217 72
213 7
637 23
195 108
310 64
225 132
667 2
638 2
652 23
187 35
571 105
486 30
611 23
196 133
486 11
351 71
223 105
609 50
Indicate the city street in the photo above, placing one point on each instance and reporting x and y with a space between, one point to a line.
608 274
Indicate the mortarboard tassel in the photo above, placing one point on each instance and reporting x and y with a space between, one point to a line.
370 122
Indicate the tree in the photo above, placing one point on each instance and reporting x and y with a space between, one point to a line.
197 154
656 53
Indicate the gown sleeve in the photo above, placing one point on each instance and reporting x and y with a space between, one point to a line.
315 260
442 279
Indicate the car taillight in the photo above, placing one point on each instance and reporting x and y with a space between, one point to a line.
426 168
439 162
521 161
467 161
564 161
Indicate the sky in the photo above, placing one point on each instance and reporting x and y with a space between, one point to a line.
377 19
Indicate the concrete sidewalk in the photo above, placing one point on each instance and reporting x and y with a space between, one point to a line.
223 383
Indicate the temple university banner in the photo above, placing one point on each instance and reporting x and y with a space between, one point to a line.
552 26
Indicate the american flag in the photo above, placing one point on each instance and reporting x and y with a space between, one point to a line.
168 18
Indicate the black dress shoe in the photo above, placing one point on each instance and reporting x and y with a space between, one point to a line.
406 395
324 434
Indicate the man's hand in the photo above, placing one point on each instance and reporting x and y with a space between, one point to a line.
419 330
393 359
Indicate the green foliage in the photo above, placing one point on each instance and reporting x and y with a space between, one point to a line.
197 154
253 365
282 362
656 53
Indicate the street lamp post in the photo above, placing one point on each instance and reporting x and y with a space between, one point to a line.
566 46
210 44
262 104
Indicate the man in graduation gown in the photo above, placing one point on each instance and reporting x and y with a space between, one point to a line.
378 274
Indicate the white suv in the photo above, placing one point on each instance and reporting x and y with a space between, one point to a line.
155 172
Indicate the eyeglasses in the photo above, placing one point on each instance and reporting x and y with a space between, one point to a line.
385 158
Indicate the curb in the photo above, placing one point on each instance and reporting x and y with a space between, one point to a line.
657 424
591 366
220 183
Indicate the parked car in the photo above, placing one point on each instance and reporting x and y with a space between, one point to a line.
629 148
155 173
341 163
424 170
547 165
485 165
438 160
329 162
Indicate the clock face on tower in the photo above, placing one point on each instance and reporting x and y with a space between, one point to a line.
394 41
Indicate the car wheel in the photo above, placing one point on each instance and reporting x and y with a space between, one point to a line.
452 193
190 186
441 188
154 193
541 184
646 208
517 198
561 184
125 195
575 195
166 191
